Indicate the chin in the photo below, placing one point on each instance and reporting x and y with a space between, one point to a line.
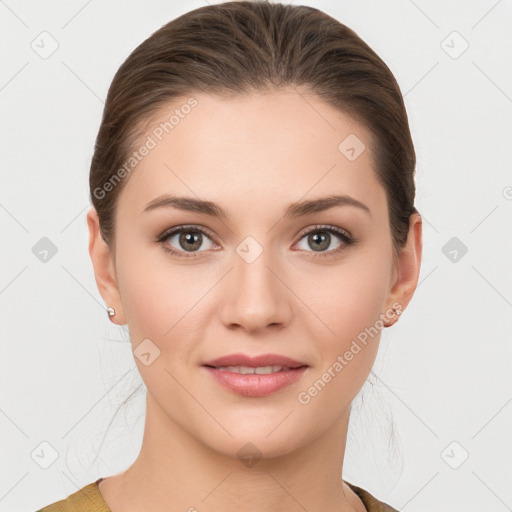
254 441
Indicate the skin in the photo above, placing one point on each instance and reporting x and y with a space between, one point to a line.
253 155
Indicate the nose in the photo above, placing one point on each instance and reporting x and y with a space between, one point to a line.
256 296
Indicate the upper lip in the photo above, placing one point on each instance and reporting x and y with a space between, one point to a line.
255 361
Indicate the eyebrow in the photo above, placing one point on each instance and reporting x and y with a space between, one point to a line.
298 209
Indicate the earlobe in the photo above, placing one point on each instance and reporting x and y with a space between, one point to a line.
103 265
408 267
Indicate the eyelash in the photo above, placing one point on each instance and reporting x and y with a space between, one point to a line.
341 234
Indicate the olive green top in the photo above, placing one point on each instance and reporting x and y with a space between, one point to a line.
89 499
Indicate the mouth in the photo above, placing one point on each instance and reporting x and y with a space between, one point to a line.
255 375
258 370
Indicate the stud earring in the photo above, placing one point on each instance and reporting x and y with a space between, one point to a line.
111 312
397 312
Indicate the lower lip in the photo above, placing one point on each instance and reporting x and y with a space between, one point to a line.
256 385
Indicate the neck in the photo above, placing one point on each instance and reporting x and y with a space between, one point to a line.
186 475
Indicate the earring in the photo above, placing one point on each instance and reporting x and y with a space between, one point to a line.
397 312
111 312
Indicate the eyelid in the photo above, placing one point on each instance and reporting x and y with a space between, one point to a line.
326 227
183 227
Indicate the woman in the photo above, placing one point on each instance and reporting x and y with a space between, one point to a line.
253 224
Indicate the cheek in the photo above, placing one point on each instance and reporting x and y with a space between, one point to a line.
349 298
148 292
349 304
160 297
350 307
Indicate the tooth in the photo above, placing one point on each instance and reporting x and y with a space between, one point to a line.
248 370
263 370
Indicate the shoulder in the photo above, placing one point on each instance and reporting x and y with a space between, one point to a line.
86 499
371 503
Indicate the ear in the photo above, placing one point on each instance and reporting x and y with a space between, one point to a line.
407 268
104 268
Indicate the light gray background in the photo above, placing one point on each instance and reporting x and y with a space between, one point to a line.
443 373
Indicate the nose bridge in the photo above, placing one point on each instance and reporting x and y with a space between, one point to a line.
256 296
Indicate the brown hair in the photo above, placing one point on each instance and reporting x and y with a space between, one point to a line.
243 46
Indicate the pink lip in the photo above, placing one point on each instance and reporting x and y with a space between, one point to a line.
254 361
253 384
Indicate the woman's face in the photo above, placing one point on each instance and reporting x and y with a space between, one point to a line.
257 281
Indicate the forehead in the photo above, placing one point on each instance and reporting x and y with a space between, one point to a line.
252 149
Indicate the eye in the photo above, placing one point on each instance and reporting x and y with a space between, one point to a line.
187 239
190 239
320 238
